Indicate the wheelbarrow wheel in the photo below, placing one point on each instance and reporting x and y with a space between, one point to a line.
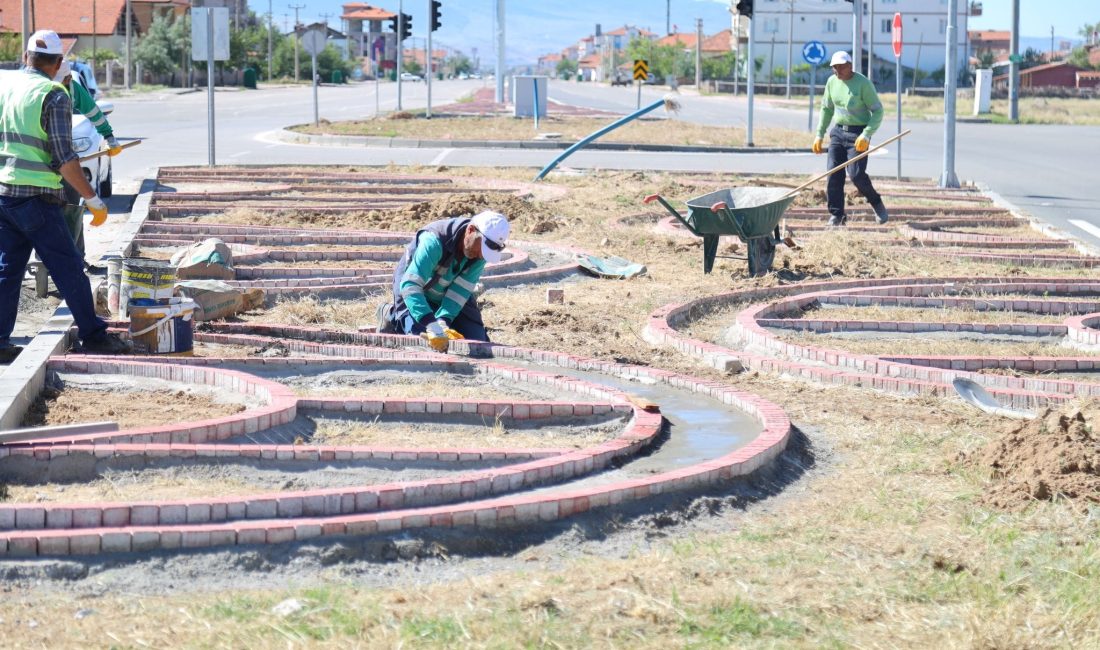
761 255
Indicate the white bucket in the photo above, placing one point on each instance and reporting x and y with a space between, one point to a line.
163 327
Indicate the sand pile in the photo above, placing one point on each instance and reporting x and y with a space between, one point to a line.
1056 456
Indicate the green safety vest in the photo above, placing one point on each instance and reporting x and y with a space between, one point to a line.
24 145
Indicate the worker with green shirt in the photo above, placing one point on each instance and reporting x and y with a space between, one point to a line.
851 98
83 104
434 281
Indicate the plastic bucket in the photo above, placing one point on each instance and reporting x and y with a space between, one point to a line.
142 278
161 326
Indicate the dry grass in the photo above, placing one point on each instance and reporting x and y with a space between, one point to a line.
491 433
644 131
125 486
310 310
944 315
923 344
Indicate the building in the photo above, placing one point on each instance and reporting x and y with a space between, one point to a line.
367 37
87 25
1059 74
548 64
997 43
775 22
1088 79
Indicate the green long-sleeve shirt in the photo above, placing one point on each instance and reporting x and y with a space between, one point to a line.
86 106
853 102
446 298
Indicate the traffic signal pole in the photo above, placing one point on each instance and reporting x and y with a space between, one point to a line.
400 46
428 57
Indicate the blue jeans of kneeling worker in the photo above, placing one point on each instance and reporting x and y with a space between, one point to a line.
35 224
468 323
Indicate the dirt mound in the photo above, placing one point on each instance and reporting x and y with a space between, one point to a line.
129 409
1054 456
524 215
843 254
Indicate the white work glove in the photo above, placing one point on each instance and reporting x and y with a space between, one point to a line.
98 209
113 147
439 335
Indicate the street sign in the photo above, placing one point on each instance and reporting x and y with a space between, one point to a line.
1015 58
314 41
641 69
896 36
198 33
814 52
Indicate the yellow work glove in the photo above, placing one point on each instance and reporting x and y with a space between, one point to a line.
113 147
98 209
818 146
862 144
436 336
453 334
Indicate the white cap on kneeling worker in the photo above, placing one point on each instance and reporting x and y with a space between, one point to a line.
44 41
494 229
840 58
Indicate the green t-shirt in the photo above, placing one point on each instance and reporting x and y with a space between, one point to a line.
853 102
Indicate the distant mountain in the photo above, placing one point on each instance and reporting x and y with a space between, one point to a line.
1042 43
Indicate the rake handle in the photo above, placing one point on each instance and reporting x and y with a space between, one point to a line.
104 152
843 165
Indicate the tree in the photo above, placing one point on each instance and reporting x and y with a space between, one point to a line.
664 60
157 50
719 67
459 63
11 47
986 60
1032 58
567 69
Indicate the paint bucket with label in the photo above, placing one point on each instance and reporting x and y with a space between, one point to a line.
143 278
114 279
161 326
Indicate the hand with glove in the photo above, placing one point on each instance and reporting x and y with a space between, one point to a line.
98 209
818 146
862 143
113 147
439 335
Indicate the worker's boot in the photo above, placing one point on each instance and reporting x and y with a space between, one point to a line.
838 221
106 343
881 215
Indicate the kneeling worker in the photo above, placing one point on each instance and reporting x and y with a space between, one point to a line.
851 97
434 281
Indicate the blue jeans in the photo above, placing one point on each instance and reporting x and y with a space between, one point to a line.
33 223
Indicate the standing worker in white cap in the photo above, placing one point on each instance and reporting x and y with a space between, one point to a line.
36 153
433 283
851 97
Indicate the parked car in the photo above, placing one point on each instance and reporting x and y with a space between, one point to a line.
408 76
475 75
87 77
620 80
86 141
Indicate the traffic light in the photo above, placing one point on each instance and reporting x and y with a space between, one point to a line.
406 26
744 7
436 6
393 24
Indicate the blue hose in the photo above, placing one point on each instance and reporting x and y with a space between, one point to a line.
536 102
583 142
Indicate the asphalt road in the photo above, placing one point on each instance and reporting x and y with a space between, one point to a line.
1048 171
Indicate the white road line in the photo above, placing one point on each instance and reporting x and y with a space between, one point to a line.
438 160
1087 227
239 154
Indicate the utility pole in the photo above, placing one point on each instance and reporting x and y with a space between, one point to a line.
790 44
736 47
94 43
857 35
270 29
750 77
1014 66
295 8
871 41
500 52
129 50
950 73
428 58
699 54
27 19
668 17
1052 43
324 18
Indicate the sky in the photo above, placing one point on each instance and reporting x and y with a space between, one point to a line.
536 27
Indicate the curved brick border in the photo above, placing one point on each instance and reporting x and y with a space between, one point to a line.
894 373
130 527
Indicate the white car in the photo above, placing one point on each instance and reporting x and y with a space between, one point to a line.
86 141
408 76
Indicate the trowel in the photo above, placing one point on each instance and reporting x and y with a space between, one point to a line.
973 394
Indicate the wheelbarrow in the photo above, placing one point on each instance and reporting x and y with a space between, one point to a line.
751 214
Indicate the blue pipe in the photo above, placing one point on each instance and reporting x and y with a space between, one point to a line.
536 80
583 142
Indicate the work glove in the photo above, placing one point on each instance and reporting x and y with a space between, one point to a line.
862 143
436 335
818 146
113 147
98 209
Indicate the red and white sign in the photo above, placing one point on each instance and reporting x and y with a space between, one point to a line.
897 36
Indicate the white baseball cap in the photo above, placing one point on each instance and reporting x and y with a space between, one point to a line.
840 58
494 229
51 42
65 70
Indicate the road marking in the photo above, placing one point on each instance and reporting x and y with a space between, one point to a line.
1087 227
438 160
239 154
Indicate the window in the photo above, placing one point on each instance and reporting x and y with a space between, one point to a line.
771 26
887 25
828 25
943 25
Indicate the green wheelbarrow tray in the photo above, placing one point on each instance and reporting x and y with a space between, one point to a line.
749 213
